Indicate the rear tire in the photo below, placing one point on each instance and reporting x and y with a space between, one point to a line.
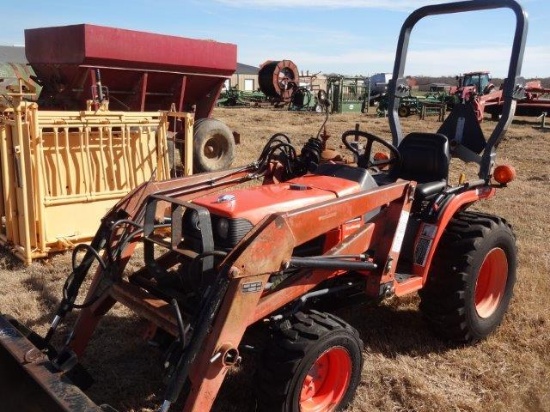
213 146
312 364
472 277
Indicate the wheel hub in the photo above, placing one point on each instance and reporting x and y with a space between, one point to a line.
491 282
326 381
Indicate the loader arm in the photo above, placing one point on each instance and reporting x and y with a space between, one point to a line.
254 260
132 207
237 298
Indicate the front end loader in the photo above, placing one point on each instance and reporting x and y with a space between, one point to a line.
224 258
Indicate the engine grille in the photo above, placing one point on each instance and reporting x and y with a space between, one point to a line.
238 228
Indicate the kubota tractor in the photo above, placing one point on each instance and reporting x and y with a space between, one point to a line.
222 260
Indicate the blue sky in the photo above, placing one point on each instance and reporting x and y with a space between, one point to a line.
353 37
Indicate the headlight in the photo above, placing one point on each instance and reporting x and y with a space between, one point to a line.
222 228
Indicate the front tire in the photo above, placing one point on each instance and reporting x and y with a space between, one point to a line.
472 277
312 364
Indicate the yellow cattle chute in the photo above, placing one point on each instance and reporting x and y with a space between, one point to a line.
60 171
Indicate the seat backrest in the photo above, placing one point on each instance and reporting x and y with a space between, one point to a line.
425 157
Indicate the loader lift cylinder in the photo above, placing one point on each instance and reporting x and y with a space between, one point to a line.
202 325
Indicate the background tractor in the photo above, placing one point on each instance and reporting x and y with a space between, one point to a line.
477 89
224 262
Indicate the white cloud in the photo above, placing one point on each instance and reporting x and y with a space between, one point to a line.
536 61
400 5
435 62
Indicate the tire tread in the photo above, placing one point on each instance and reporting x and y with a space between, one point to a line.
444 301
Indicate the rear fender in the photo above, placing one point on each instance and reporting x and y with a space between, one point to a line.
429 234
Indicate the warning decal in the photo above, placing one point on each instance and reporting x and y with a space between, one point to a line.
424 244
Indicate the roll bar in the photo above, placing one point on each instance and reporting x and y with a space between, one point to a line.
513 86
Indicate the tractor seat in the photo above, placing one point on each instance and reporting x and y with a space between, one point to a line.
425 158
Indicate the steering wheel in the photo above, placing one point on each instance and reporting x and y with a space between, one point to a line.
366 159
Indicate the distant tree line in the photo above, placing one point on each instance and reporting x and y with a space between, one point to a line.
423 82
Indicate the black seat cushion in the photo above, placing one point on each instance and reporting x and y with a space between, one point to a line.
424 158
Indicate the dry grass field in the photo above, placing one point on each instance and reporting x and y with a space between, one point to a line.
406 368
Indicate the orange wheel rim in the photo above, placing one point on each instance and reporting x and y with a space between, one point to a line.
326 381
491 282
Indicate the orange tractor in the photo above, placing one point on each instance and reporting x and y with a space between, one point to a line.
484 97
222 261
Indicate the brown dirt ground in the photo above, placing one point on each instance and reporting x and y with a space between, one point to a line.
406 368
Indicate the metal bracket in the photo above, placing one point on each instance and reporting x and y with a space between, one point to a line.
518 92
402 89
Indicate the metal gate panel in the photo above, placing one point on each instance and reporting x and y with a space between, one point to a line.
61 171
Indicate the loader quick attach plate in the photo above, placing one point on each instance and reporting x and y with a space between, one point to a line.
29 382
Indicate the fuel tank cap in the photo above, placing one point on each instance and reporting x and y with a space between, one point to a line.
226 198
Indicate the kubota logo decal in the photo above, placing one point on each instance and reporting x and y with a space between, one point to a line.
424 244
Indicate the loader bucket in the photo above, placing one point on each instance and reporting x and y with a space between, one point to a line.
29 382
